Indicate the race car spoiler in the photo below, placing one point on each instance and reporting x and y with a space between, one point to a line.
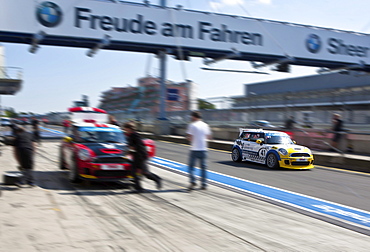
88 115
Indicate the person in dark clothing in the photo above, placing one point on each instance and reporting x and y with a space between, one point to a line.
289 123
13 128
140 157
24 152
337 129
113 120
66 125
36 129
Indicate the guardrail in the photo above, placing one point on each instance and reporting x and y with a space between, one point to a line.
316 139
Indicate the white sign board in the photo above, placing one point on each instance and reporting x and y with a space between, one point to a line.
152 26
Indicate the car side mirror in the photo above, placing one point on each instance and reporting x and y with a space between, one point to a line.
294 142
68 139
259 141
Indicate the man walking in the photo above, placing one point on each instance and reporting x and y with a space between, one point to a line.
140 157
198 132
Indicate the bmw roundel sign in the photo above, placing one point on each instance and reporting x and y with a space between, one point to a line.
313 43
49 14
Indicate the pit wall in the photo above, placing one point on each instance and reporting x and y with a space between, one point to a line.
312 138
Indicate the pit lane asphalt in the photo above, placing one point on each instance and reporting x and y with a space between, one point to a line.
58 216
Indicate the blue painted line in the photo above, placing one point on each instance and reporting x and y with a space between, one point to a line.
49 132
52 130
308 203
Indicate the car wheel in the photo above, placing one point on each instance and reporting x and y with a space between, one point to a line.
73 173
271 161
62 165
235 155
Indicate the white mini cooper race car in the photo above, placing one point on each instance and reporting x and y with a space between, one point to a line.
272 148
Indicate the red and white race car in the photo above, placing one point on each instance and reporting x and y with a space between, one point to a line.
96 150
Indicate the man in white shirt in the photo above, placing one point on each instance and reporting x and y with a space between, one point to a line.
198 132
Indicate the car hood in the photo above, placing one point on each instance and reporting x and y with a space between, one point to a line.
107 149
290 147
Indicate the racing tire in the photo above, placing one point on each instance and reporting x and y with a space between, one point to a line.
235 155
61 160
73 174
272 161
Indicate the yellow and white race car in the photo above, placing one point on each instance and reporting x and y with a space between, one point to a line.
272 148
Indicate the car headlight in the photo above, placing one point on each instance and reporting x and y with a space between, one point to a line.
283 152
84 155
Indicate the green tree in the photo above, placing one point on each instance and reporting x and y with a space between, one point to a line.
203 104
10 112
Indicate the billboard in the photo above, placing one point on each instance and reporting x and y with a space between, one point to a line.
137 27
173 94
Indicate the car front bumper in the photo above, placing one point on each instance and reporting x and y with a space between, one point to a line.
297 163
105 171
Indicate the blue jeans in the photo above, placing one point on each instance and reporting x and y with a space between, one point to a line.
202 156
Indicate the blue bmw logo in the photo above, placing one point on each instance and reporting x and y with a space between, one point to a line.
313 43
49 14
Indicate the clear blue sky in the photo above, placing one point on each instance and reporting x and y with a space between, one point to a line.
56 76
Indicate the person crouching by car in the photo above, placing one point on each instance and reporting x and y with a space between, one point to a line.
140 157
24 149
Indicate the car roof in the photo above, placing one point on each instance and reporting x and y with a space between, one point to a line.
99 125
262 121
259 130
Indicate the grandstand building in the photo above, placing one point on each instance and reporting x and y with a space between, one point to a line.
310 99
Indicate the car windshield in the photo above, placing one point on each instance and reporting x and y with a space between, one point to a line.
100 136
278 138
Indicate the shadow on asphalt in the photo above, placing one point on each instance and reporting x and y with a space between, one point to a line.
249 165
244 165
58 180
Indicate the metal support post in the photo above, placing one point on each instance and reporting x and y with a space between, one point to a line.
162 65
162 109
163 3
163 125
